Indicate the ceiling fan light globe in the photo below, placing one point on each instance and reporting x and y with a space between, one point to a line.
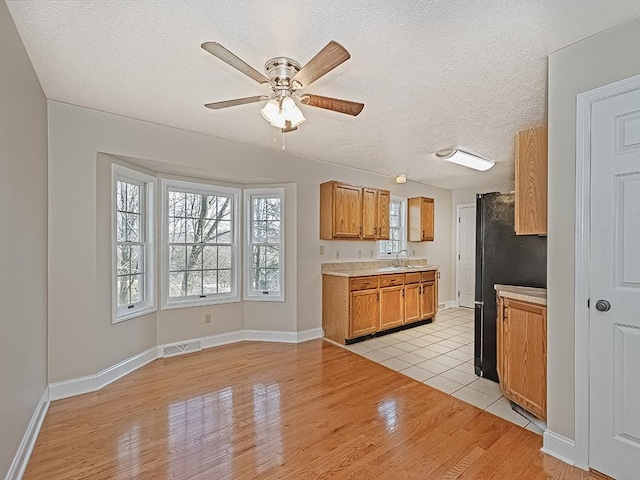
278 122
271 111
289 108
297 118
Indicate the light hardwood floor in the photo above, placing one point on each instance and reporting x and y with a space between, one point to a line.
266 410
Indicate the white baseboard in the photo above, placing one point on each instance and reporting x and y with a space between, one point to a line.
559 447
91 383
311 334
21 459
448 304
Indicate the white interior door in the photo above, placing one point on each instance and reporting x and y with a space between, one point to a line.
614 384
466 260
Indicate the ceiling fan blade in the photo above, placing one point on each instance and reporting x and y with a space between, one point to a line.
233 103
217 50
332 55
334 104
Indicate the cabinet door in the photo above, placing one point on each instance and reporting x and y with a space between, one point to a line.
428 300
347 211
364 313
525 355
391 307
384 201
369 213
500 357
427 219
412 303
531 182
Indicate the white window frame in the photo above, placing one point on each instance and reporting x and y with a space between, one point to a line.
249 293
148 199
403 230
203 189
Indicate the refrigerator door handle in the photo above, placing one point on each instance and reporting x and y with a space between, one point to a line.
478 303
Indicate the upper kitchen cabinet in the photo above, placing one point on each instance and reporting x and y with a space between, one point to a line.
421 219
531 181
353 212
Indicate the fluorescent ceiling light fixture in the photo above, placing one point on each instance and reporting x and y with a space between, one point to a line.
466 159
401 178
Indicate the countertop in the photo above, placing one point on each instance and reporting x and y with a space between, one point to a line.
525 294
375 270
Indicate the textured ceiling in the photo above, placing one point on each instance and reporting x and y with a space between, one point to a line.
432 74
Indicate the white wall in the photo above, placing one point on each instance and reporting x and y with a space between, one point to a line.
79 327
594 62
23 240
462 197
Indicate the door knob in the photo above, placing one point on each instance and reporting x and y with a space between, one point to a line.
603 305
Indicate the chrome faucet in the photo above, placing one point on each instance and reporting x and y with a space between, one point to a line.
397 263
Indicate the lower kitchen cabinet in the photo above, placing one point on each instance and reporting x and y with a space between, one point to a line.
365 310
359 306
522 354
391 307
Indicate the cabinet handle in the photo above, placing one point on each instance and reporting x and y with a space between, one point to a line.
360 232
403 292
378 297
422 233
375 231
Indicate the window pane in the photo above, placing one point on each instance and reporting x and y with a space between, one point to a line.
210 258
177 230
273 280
121 227
176 204
177 258
273 232
259 232
133 227
223 234
194 283
193 230
273 208
224 208
136 288
210 281
123 265
133 198
224 257
177 284
137 260
224 281
121 195
193 205
122 286
194 258
259 210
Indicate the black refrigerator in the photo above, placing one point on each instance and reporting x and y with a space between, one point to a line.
505 258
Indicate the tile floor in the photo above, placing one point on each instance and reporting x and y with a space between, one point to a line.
440 355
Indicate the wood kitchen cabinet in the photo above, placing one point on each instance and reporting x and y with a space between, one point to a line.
421 219
353 212
531 181
522 354
365 310
359 306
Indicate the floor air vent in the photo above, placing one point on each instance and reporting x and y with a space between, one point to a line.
181 348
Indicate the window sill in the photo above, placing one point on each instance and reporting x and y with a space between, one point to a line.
264 298
200 302
134 314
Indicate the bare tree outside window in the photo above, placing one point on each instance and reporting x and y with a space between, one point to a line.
200 243
396 237
130 239
265 242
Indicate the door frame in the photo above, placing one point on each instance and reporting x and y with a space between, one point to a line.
583 256
458 208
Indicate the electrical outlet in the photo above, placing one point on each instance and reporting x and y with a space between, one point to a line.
359 253
207 318
337 253
321 249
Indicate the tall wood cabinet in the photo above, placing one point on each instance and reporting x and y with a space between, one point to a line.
522 354
421 219
353 212
531 181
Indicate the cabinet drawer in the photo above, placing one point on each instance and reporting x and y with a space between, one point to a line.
363 283
428 276
391 280
412 278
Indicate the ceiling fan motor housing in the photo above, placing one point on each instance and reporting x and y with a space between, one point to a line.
280 70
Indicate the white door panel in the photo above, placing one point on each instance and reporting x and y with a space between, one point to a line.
615 277
466 261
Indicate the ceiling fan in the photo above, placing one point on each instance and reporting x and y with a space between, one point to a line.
285 77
